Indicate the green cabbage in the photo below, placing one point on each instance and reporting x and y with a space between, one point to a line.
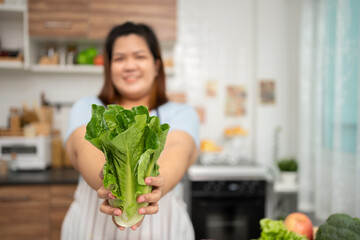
132 142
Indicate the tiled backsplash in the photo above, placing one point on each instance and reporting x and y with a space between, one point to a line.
215 45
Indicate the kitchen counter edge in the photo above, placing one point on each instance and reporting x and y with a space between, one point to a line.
48 176
206 173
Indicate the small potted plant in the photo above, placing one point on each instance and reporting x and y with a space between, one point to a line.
288 170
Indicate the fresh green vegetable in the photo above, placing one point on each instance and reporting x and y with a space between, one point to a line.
276 230
288 164
339 226
91 54
87 56
132 142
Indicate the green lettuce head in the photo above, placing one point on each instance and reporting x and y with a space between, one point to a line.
276 230
132 142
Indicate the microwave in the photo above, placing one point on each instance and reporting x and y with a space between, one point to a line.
30 153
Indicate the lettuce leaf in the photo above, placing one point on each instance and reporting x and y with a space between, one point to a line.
132 142
276 230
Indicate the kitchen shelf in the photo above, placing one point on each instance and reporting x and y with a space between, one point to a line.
67 69
228 172
76 69
12 64
13 32
12 8
285 187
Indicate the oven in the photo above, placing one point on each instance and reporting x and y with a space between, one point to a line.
227 209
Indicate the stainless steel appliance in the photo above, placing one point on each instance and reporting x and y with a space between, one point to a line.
227 202
227 209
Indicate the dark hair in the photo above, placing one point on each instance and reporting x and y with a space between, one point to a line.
108 93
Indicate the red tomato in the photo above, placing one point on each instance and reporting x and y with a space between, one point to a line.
99 60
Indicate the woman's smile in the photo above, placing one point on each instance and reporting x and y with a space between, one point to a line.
131 78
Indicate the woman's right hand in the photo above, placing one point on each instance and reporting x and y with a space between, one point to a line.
105 207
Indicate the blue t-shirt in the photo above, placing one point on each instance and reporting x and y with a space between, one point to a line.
178 116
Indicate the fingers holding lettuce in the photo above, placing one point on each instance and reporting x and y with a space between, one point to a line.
151 198
132 142
105 206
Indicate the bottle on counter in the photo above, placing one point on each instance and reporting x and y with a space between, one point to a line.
14 120
71 53
66 160
56 150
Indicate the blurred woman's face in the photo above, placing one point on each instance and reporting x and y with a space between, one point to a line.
133 68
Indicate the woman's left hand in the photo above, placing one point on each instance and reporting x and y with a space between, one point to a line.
152 198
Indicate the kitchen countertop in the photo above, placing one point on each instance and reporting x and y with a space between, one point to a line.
49 176
195 173
228 172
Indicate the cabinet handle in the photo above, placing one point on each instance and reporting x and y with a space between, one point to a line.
15 199
57 24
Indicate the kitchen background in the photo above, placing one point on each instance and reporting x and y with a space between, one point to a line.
219 44
251 68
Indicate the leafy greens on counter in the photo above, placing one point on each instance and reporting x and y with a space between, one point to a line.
276 230
132 142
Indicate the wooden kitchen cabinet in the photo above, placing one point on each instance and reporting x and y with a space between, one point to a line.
62 18
93 19
159 14
24 212
33 211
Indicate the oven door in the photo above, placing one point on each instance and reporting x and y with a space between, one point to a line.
221 218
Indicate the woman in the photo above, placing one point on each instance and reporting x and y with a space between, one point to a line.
134 75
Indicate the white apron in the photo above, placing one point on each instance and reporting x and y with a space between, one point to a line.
84 220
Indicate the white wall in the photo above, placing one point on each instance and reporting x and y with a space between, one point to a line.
277 53
19 87
232 42
216 42
242 42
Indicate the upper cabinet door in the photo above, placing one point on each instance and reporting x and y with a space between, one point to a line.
65 18
159 14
